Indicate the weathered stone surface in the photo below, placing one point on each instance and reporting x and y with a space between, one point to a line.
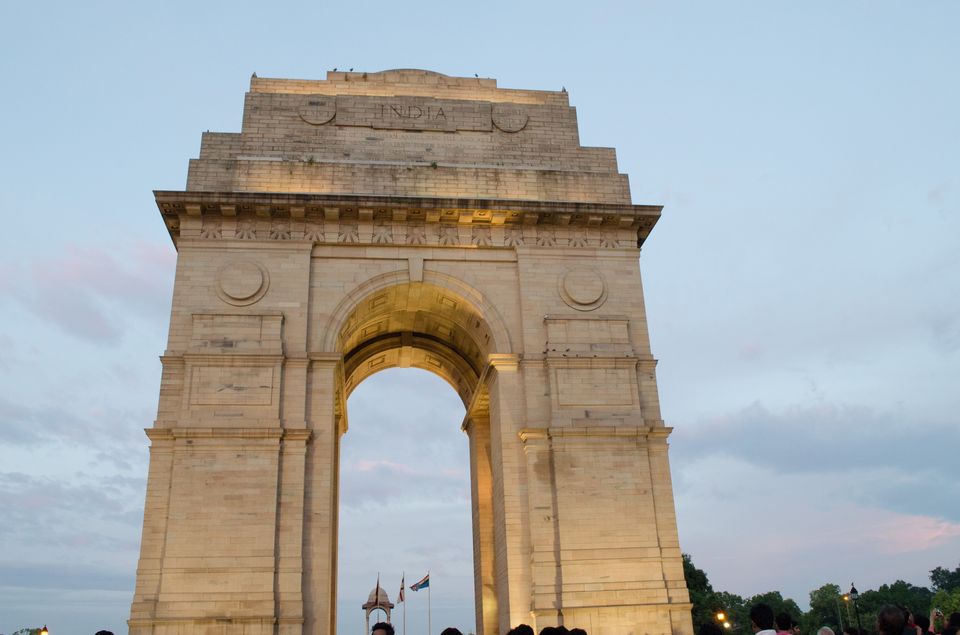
410 219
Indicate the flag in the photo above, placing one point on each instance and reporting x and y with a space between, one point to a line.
422 584
400 597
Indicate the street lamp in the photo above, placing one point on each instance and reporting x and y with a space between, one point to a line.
44 631
855 595
722 619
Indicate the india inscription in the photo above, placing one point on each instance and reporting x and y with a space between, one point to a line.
476 239
412 113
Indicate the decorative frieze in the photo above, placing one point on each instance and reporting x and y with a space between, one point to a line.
404 220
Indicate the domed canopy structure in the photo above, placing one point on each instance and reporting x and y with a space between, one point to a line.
377 600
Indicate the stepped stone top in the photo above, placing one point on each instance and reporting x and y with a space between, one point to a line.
407 133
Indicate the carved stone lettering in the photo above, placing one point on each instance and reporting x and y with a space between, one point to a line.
413 113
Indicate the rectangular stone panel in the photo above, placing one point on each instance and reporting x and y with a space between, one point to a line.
594 386
413 113
587 331
228 385
242 333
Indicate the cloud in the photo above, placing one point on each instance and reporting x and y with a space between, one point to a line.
32 503
115 432
846 441
755 528
791 498
91 292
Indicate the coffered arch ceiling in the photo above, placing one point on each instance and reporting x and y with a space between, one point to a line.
417 325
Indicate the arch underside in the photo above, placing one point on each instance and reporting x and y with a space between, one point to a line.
426 326
407 349
416 325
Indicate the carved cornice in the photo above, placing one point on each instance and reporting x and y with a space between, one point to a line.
404 220
637 432
169 434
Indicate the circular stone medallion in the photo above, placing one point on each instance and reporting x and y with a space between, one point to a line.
583 289
509 118
318 109
242 283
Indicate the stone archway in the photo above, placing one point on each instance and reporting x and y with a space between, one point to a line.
407 218
435 328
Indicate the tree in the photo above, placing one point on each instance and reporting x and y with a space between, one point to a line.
824 610
737 610
947 601
900 593
775 601
701 592
945 580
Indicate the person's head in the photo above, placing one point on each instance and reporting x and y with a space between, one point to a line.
954 621
851 630
783 621
709 628
825 630
549 630
521 629
104 633
761 617
577 631
890 621
451 631
922 622
382 628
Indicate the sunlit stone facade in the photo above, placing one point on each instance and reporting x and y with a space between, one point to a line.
407 218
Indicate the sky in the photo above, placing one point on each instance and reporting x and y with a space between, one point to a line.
802 286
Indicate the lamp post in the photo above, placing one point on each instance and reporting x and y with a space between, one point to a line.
839 613
855 595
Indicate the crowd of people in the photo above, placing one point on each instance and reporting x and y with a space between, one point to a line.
384 628
891 620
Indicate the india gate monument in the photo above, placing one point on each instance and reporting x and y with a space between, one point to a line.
407 219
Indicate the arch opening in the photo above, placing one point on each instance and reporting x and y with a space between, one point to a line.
405 501
432 327
420 325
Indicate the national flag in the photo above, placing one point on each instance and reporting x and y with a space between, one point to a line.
422 584
400 597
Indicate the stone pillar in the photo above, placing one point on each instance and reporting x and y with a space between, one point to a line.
546 564
289 565
481 489
154 532
321 492
510 515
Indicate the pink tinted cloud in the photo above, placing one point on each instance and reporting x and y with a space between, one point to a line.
755 528
90 292
902 533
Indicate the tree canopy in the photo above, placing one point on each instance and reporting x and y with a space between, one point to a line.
827 604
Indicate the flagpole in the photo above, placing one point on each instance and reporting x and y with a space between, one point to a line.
429 610
403 579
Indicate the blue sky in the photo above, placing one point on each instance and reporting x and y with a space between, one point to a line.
803 285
